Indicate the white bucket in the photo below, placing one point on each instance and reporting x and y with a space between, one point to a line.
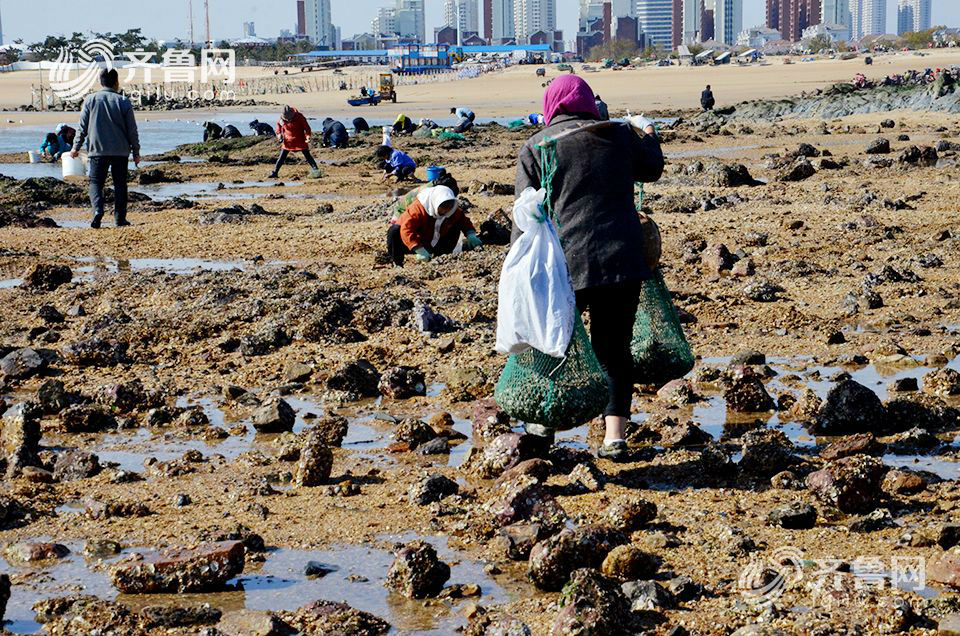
387 130
33 156
72 167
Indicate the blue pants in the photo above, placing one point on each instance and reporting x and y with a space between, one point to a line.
98 177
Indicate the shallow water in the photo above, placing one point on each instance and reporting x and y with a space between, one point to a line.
276 584
163 135
97 265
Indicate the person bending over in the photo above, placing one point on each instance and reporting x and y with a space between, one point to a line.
431 226
396 164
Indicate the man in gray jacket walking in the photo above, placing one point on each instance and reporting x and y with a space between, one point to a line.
109 129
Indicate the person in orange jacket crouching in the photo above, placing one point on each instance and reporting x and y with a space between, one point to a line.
432 225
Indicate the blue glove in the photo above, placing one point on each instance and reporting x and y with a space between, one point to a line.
422 254
473 241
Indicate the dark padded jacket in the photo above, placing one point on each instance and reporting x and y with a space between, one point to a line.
593 196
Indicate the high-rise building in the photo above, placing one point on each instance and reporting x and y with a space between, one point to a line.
656 19
532 16
867 17
301 19
623 8
590 10
450 13
835 12
249 30
504 27
468 16
319 22
676 23
692 14
791 17
385 24
411 21
728 21
913 15
488 21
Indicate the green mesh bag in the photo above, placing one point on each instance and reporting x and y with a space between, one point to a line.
516 123
660 350
559 393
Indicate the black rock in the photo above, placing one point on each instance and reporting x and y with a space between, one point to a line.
850 408
795 516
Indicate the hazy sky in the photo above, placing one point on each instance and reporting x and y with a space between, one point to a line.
167 19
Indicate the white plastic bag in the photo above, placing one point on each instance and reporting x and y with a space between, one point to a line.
536 301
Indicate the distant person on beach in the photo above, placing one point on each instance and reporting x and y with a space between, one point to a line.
594 168
403 125
395 163
294 132
261 129
334 134
463 125
53 147
360 125
602 109
706 99
108 129
213 131
67 133
432 225
462 112
231 132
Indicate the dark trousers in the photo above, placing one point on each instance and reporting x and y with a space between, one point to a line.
397 249
613 309
286 153
98 177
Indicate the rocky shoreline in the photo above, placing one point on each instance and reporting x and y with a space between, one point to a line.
234 418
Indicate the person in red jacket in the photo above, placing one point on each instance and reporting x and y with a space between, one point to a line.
431 226
294 132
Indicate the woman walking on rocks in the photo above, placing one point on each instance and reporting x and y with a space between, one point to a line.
590 181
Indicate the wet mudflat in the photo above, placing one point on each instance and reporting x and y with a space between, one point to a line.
209 376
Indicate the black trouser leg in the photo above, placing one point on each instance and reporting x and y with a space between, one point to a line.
309 158
396 248
447 243
98 176
118 168
405 172
280 160
613 310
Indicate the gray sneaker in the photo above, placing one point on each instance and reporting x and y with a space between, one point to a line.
614 451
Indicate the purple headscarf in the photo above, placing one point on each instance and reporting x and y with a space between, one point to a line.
569 95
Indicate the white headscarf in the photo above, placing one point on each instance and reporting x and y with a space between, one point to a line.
431 199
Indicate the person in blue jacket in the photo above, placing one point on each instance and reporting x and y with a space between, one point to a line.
396 164
53 146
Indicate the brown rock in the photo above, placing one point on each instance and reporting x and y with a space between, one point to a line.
178 570
253 623
859 444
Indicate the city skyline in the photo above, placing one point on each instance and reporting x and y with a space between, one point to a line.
352 16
